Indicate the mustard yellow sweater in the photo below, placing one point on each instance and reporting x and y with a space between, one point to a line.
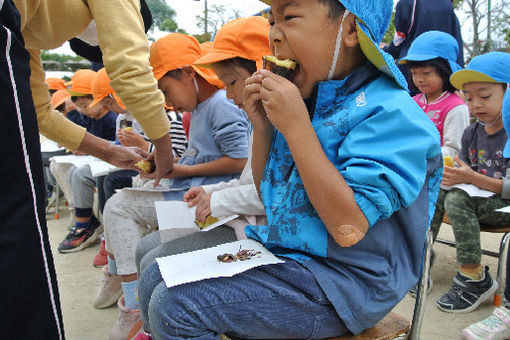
47 24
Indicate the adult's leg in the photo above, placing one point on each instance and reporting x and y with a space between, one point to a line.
280 301
30 300
196 241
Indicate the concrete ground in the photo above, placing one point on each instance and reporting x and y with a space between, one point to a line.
79 282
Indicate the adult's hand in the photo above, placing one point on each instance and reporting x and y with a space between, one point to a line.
123 157
163 156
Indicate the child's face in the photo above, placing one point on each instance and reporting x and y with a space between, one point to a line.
179 92
233 78
427 80
302 31
484 100
83 104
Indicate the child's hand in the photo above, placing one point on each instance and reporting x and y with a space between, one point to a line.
193 195
203 208
252 104
282 102
129 138
461 174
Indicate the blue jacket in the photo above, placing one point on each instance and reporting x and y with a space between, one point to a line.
389 153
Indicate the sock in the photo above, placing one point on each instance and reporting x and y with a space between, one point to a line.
130 290
475 274
112 266
82 225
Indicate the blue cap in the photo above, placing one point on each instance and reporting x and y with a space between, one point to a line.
492 67
505 110
372 20
431 45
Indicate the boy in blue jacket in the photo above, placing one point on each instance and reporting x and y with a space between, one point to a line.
348 169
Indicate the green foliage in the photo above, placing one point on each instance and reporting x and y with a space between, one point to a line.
388 36
203 37
62 62
47 56
163 16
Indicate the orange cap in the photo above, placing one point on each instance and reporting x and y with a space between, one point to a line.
175 51
244 37
101 88
81 83
59 97
56 83
206 47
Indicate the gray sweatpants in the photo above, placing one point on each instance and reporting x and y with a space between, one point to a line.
83 185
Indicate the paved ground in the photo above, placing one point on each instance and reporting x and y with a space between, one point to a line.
79 282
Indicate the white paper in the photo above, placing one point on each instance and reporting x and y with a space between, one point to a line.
75 160
50 146
159 188
177 214
472 190
203 264
101 168
505 209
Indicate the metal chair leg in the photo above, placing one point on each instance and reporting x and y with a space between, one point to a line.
501 262
57 216
421 296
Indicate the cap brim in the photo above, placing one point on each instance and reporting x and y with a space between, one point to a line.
213 57
78 94
96 101
459 78
417 57
60 102
380 59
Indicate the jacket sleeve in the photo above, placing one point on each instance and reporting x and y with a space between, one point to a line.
52 124
242 199
383 182
125 51
455 122
403 19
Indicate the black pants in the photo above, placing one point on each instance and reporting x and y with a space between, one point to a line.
29 299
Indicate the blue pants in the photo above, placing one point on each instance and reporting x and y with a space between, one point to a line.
270 302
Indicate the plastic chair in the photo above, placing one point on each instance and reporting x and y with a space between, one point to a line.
395 326
503 247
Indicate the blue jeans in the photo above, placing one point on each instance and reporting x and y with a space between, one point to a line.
270 302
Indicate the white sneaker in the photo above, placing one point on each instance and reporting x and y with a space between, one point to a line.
128 325
111 290
495 327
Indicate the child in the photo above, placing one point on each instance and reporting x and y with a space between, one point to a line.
217 151
497 325
101 124
236 54
431 60
348 218
481 163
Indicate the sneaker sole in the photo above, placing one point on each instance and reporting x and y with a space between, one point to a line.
467 334
87 243
474 306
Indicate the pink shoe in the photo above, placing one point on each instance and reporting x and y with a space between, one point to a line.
128 325
143 335
101 258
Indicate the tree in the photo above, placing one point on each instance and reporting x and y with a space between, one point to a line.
216 16
490 25
163 16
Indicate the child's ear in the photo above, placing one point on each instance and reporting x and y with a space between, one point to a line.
349 31
188 71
